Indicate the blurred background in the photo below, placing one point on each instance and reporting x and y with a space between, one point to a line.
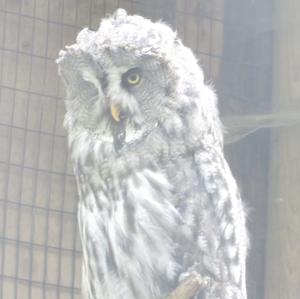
249 49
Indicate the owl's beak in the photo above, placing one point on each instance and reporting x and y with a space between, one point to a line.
115 112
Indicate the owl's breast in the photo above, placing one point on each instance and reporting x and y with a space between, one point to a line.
128 237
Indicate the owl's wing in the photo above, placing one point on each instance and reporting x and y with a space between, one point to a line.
204 230
221 235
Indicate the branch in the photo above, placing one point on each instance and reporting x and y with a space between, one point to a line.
190 287
240 126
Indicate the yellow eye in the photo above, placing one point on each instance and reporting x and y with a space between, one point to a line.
132 77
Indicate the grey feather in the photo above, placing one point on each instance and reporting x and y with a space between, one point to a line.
157 198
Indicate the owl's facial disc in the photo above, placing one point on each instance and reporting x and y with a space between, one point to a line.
135 91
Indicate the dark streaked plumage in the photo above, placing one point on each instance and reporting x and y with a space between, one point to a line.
157 198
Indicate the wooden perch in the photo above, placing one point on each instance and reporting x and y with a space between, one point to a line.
239 127
190 287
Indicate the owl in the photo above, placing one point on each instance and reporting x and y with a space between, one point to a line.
157 200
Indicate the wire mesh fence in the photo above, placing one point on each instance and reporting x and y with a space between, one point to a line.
40 255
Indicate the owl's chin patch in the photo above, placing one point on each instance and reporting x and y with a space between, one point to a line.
119 134
126 133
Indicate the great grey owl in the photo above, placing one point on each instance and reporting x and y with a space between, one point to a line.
157 199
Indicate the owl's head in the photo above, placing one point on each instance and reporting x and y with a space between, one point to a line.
130 76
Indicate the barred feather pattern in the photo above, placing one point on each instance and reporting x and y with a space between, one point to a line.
160 201
141 232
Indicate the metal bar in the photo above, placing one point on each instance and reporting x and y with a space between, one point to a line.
8 168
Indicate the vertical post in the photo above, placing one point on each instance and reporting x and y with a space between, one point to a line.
282 275
168 11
